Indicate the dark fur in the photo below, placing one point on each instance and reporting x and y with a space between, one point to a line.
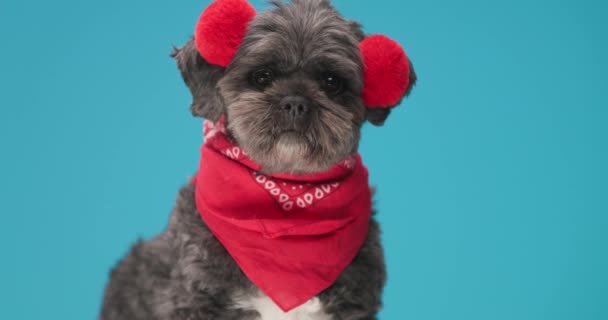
185 273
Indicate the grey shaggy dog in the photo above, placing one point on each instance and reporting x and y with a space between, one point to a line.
292 98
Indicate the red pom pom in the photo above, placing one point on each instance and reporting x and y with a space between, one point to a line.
386 71
221 29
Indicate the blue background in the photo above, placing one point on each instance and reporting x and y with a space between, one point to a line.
492 176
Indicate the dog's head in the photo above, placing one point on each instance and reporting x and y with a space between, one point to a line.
295 83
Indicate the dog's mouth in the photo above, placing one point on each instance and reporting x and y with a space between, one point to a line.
301 128
292 134
278 147
297 135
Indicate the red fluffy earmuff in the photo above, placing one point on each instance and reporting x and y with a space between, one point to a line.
386 71
221 29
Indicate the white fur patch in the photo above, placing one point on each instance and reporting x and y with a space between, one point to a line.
268 310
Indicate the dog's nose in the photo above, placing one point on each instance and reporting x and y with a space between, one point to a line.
296 106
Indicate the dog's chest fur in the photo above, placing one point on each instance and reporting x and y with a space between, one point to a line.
268 310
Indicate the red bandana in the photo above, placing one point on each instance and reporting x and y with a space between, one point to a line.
291 235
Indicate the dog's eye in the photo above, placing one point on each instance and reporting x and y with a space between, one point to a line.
262 78
332 83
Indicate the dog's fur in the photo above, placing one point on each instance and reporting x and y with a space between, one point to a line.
185 273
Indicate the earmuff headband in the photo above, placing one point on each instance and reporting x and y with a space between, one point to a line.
223 25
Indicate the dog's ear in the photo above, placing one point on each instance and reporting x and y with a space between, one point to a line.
388 76
202 78
202 61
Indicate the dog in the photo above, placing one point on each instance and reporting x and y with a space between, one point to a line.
292 96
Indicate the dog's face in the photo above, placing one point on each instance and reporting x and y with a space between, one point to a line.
292 94
293 91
